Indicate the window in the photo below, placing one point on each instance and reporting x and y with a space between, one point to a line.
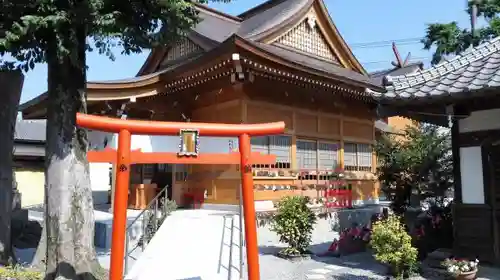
278 145
307 154
328 155
357 157
317 155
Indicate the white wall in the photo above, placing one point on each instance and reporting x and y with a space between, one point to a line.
471 164
99 172
100 181
471 170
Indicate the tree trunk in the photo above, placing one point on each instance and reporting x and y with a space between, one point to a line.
69 212
11 83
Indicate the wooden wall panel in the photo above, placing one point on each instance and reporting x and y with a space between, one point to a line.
227 112
262 114
473 232
227 191
205 114
299 121
358 130
364 189
306 123
356 110
329 125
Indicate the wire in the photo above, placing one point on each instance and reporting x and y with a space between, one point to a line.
384 43
385 61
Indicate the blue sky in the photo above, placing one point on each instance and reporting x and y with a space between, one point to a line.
359 21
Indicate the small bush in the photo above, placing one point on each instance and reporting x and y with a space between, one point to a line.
19 273
294 223
434 230
392 246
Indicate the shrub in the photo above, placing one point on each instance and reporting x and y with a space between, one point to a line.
392 246
294 223
434 230
19 273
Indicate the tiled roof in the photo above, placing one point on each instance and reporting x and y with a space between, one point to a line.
30 130
259 21
276 14
379 76
383 126
475 69
316 64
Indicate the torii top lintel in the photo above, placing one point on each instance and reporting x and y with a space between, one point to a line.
141 127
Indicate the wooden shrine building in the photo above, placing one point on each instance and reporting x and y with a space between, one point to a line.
462 93
280 61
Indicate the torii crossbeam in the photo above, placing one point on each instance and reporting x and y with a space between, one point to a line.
188 154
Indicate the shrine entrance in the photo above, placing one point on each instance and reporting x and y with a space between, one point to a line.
189 142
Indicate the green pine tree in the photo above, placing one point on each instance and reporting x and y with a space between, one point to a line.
449 38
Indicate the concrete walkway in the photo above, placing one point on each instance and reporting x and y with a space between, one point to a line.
192 244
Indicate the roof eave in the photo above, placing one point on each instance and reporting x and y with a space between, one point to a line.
350 54
262 36
244 44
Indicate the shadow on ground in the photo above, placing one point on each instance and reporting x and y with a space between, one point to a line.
346 276
360 261
269 250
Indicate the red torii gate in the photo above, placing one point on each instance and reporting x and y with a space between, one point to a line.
188 154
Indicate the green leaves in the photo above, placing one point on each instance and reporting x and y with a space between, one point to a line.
391 245
449 38
294 223
31 28
419 161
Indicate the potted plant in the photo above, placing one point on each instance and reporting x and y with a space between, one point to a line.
392 246
461 268
293 223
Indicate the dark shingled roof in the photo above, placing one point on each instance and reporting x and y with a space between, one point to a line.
475 69
257 22
315 63
274 15
379 76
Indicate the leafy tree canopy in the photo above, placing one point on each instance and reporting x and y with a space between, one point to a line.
421 161
449 38
29 28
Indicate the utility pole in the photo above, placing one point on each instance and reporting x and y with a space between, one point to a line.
473 17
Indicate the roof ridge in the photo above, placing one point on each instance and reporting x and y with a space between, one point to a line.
218 12
462 60
265 5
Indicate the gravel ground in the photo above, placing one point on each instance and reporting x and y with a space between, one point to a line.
359 266
354 267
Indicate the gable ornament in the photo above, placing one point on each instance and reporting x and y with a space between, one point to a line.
311 20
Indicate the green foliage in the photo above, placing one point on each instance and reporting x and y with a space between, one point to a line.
19 273
420 163
391 245
449 38
294 223
29 29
